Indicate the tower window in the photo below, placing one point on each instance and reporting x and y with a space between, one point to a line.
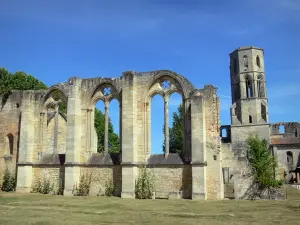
260 87
258 61
245 58
235 65
224 133
296 133
249 89
289 157
263 112
281 129
250 119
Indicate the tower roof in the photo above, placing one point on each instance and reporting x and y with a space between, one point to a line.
246 48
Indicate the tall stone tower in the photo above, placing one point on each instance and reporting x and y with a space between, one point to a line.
249 110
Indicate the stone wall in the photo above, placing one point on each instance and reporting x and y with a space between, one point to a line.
55 174
9 132
101 175
170 179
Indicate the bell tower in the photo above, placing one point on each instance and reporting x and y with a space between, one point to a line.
248 87
249 110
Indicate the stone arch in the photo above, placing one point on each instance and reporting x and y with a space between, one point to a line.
106 92
175 84
183 86
98 93
51 90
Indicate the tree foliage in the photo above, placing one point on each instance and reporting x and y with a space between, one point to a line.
113 138
18 81
176 132
9 181
263 163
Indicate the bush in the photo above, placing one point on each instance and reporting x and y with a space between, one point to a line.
9 181
109 187
263 163
43 186
144 184
84 186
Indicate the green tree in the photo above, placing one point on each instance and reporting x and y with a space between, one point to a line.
17 81
113 138
176 132
263 163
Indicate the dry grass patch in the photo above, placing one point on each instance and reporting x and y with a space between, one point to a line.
46 209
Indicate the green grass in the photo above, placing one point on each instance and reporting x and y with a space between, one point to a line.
25 209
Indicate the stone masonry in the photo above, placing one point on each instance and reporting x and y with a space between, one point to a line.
37 140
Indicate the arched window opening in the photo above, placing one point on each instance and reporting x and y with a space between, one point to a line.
224 133
157 124
260 87
281 129
99 124
235 65
296 133
245 59
250 119
10 138
263 112
176 127
249 88
289 157
114 142
258 61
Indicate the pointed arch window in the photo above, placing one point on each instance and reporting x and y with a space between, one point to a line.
250 119
245 59
249 88
258 61
260 87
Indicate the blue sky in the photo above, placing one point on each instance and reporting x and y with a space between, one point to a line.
55 40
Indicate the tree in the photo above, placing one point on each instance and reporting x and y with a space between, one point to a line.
17 81
263 164
176 132
113 138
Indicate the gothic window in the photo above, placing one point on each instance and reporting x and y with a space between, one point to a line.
166 84
107 91
235 65
258 61
260 87
249 88
281 129
263 112
250 119
224 133
289 157
245 58
10 143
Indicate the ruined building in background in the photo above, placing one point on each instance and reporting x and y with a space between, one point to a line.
39 140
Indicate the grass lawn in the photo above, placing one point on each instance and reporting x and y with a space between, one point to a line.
25 209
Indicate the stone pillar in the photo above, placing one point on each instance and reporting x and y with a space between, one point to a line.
166 117
28 141
106 127
74 129
55 150
129 169
198 145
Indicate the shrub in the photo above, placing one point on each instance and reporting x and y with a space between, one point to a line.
109 187
144 184
263 164
84 185
43 186
9 181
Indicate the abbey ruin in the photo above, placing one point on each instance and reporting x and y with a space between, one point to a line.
37 140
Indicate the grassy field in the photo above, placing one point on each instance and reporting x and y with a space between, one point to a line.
45 209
